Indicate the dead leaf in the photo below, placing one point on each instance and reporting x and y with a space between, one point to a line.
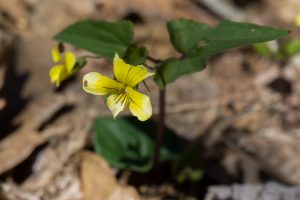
275 151
190 121
16 11
156 9
19 145
286 10
64 186
269 190
98 181
59 151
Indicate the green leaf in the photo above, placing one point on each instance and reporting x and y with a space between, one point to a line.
129 143
135 55
225 36
263 49
291 48
234 34
173 68
189 166
190 174
100 37
185 34
80 63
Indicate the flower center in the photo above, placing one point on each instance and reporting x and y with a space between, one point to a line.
121 95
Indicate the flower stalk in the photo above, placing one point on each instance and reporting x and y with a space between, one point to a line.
160 128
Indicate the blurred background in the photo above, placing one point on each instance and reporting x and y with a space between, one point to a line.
244 106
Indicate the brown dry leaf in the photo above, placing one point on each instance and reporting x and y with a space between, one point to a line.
275 151
153 9
192 107
98 181
286 10
269 190
245 82
64 186
49 180
27 138
6 40
59 151
17 147
16 12
253 120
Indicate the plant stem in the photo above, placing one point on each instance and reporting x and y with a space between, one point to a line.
160 128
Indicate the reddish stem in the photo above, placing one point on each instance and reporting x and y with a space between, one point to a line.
160 128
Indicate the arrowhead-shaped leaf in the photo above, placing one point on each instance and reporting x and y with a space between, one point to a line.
211 41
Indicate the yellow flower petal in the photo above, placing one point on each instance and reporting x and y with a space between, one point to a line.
56 55
117 102
128 74
57 74
98 84
137 74
70 60
120 69
139 105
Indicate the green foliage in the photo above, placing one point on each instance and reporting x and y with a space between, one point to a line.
129 143
135 55
185 34
189 165
80 62
263 49
173 68
100 37
286 50
291 48
196 41
189 174
199 48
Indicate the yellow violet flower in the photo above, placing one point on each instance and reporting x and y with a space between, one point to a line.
297 20
121 92
64 66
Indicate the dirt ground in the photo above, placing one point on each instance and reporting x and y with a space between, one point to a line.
245 107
